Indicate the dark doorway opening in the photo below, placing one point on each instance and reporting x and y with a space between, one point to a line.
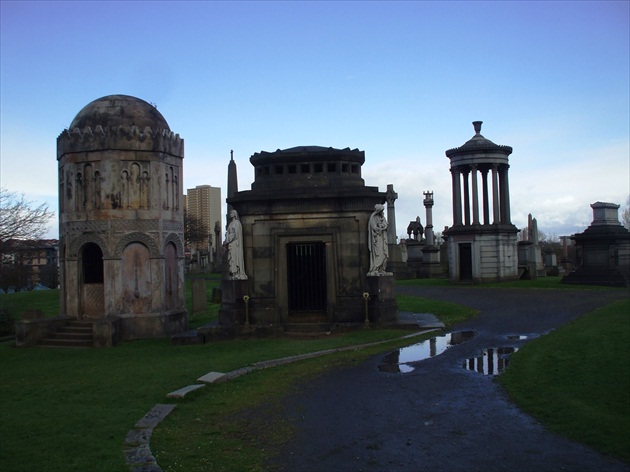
306 277
92 293
92 259
465 261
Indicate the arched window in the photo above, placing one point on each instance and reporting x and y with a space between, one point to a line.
92 264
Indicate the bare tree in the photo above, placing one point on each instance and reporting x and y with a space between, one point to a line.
21 224
20 219
550 243
195 232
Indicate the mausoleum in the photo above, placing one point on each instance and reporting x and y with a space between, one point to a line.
482 243
121 220
603 250
305 243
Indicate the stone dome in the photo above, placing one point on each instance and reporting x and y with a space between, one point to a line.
120 110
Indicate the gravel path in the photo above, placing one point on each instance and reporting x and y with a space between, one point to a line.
441 417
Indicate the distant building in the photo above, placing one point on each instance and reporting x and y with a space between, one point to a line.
204 203
29 264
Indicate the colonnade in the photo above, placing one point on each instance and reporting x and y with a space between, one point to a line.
468 175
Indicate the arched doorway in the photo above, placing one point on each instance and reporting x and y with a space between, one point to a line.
92 296
136 278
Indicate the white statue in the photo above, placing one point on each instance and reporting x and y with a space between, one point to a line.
234 246
377 242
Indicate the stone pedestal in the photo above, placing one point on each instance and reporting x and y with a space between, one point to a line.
431 267
232 312
382 303
414 255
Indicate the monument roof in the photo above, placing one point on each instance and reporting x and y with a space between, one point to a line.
310 151
120 110
478 144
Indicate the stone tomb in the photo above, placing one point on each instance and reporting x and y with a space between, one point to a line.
121 220
603 250
305 243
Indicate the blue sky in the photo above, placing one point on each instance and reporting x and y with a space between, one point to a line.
400 80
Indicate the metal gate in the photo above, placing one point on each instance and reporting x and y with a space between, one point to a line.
306 276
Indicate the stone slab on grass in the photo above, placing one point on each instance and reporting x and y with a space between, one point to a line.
182 392
210 377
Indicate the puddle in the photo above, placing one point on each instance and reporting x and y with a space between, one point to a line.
492 361
398 360
516 337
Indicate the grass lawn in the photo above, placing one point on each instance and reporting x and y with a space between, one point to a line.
67 410
576 380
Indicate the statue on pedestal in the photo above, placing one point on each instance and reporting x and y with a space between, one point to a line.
233 244
377 242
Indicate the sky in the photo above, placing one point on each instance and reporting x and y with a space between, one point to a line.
402 81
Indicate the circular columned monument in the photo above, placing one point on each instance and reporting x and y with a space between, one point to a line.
482 243
121 219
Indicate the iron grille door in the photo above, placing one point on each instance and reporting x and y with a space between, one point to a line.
306 276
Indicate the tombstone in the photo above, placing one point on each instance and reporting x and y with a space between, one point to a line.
530 259
199 302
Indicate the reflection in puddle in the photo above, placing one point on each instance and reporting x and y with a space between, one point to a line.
397 361
517 337
492 361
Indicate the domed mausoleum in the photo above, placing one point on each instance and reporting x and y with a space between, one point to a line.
121 220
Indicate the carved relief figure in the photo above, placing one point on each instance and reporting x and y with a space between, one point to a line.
233 244
377 242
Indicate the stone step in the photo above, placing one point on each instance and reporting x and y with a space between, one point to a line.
71 335
307 328
63 342
74 334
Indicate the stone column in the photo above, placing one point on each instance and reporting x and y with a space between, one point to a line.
457 197
428 230
391 197
504 194
495 194
486 203
508 214
475 195
466 198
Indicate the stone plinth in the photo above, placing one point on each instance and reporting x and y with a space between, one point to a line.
382 303
414 255
431 267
